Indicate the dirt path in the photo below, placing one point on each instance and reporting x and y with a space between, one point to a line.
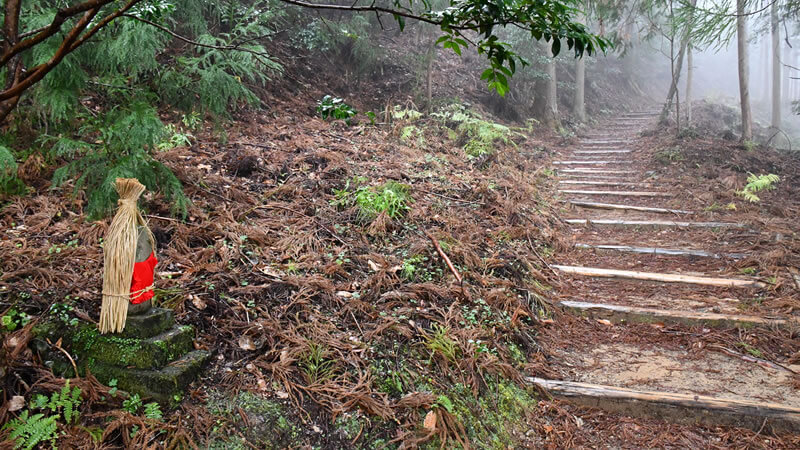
660 321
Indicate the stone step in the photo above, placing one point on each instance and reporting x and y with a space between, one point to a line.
151 353
153 322
627 207
617 193
654 223
689 409
659 277
620 314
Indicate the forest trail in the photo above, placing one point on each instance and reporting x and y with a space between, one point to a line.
657 319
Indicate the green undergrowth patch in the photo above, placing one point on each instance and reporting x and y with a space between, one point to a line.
268 424
477 136
391 198
494 419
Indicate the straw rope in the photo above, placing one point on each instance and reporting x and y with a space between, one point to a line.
119 256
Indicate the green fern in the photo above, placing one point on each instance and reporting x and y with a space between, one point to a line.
757 183
67 402
152 410
29 431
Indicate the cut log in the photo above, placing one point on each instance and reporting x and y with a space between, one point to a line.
626 314
655 223
599 162
597 171
689 409
617 193
628 207
659 251
661 277
605 183
600 152
596 177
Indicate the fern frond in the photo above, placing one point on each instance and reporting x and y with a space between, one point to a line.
29 431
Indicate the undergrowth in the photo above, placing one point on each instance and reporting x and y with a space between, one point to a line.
480 136
28 431
757 183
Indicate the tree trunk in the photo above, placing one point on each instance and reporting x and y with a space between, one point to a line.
429 76
578 104
689 73
676 71
744 88
579 107
776 68
550 106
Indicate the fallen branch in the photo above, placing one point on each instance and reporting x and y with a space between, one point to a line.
753 359
445 258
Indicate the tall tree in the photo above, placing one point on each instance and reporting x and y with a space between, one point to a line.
549 91
578 103
689 74
677 63
744 71
776 68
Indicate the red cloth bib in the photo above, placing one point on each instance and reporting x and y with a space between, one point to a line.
142 279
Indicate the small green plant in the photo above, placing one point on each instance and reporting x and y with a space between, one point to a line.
132 403
440 342
13 320
757 183
335 108
177 138
314 364
411 266
391 198
153 411
669 155
406 114
27 431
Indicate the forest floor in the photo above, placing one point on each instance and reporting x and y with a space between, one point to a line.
333 321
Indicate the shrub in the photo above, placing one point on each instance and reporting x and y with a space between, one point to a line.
756 183
124 141
335 108
9 183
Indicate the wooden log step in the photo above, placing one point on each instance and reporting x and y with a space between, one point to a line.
655 223
597 162
662 277
605 183
599 152
620 314
597 171
657 251
597 177
628 207
617 193
689 409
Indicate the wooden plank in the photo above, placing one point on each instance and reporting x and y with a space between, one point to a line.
658 251
661 277
596 177
605 183
599 152
617 193
655 223
625 314
597 171
628 207
689 409
599 162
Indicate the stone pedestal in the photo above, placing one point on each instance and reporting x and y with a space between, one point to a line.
152 357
